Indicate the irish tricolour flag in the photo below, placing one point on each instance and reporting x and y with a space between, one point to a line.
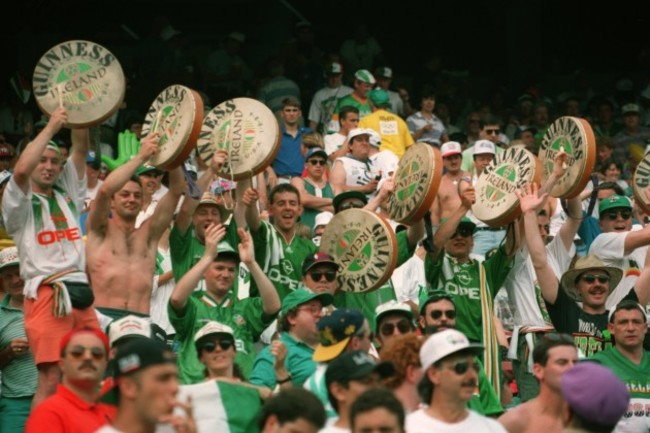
221 407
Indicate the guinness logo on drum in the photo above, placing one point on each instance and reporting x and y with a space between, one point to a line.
83 76
247 130
364 247
640 182
417 180
575 137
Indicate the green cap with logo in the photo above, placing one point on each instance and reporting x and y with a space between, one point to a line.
614 202
301 296
464 222
365 76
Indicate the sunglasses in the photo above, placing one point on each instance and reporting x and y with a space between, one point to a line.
492 131
210 346
613 215
317 275
312 309
461 367
437 314
463 232
558 336
350 205
317 162
403 326
590 278
97 353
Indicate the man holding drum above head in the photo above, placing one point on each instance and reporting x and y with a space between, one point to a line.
447 199
121 258
40 207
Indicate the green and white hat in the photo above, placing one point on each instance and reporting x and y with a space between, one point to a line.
365 76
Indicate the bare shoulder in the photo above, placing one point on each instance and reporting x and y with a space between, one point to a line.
515 420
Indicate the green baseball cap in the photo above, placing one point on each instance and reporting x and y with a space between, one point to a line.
614 202
147 169
379 97
301 296
464 222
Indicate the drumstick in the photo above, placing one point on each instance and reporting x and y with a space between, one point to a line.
563 162
58 88
156 122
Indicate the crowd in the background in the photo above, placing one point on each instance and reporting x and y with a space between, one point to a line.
130 305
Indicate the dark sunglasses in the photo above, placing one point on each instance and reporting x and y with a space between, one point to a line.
492 131
613 215
403 326
463 232
461 367
558 336
210 346
350 205
437 314
590 278
317 275
317 162
97 353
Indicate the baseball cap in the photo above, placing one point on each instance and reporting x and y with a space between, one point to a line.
333 68
435 296
132 326
335 331
357 132
614 202
225 249
147 169
139 354
630 109
4 176
593 392
323 218
340 197
445 343
379 97
9 257
392 307
384 72
451 148
92 160
315 259
316 151
373 137
355 365
301 296
211 328
484 146
365 76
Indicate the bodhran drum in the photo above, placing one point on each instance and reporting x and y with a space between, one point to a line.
82 76
364 246
247 130
176 115
496 202
417 180
575 136
641 182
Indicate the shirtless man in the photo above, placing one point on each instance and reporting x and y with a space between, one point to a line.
552 357
121 258
447 198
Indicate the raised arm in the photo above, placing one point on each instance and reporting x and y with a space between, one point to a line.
570 227
186 285
448 228
270 299
642 285
249 199
99 212
80 145
31 155
164 212
530 203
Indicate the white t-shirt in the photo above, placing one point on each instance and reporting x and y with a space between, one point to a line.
323 105
91 193
610 247
385 161
409 279
333 142
334 429
522 286
420 422
160 296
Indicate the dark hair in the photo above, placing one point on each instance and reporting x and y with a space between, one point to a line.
283 187
330 397
284 325
628 305
488 119
291 102
425 388
609 161
377 398
343 112
611 185
548 342
291 404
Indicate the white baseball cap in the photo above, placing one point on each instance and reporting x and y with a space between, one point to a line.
484 146
9 257
373 137
357 132
213 327
323 218
445 343
451 148
365 76
392 306
128 326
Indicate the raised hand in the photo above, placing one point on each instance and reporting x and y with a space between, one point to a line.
56 121
529 199
128 147
218 160
250 197
213 235
246 249
560 163
468 196
149 147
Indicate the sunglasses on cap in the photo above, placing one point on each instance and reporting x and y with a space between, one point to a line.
211 346
403 326
97 353
463 232
461 367
437 314
613 214
590 278
317 275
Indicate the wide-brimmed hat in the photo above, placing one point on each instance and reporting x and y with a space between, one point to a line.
584 264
